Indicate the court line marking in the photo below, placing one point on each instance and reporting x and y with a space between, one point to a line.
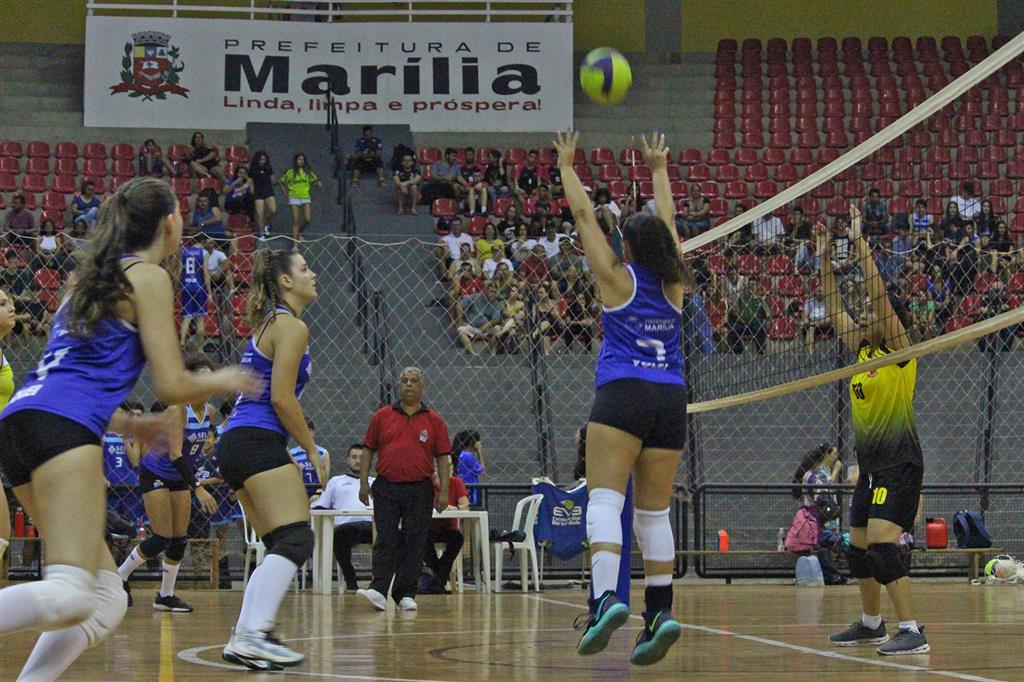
805 649
192 655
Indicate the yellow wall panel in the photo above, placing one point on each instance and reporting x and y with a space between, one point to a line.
608 23
37 21
706 21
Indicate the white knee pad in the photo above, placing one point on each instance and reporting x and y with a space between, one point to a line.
110 606
654 534
604 516
64 596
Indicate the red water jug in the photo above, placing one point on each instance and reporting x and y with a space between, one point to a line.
19 523
936 533
723 541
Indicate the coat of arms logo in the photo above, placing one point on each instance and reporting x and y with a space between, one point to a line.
150 67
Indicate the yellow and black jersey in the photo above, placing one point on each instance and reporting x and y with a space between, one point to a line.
884 425
6 382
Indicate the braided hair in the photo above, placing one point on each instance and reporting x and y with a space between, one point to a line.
127 221
266 292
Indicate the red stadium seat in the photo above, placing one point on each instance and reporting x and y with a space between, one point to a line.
515 155
765 189
444 208
38 150
971 304
718 157
1016 283
66 150
689 157
67 167
755 173
782 329
95 167
630 156
476 225
501 206
779 265
748 264
239 224
9 164
122 151
33 183
428 156
54 201
736 189
609 172
638 173
236 153
773 157
38 166
785 173
47 278
698 173
727 173
240 326
92 150
64 184
11 148
678 189
7 183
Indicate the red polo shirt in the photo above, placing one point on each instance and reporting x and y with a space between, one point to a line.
407 445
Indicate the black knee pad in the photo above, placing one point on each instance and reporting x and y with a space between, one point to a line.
886 563
294 542
153 545
857 559
176 549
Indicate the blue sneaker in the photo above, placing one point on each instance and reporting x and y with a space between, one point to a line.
660 632
607 614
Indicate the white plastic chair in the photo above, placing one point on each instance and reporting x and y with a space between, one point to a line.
253 545
524 518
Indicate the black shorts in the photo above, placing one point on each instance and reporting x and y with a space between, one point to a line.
654 413
149 481
33 437
263 192
892 494
248 450
366 165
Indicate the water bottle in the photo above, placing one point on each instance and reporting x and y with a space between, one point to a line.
723 541
19 523
780 546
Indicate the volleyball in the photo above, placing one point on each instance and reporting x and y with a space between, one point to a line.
605 76
1001 568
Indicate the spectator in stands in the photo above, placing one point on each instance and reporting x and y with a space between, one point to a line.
555 182
603 200
807 259
33 313
472 180
496 177
17 281
407 184
800 229
444 178
19 224
527 178
489 245
466 257
966 202
547 320
718 312
922 312
504 280
814 318
994 302
568 264
342 493
1000 246
986 220
876 214
952 225
85 205
696 212
262 174
521 246
204 160
965 260
450 248
496 259
579 317
769 233
297 182
901 248
446 532
468 459
49 248
151 160
921 219
940 291
741 238
367 157
551 241
207 219
218 265
748 318
733 284
508 226
534 267
480 316
240 193
465 282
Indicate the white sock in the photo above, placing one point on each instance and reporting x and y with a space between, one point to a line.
871 621
134 560
168 579
909 625
604 572
54 653
657 580
267 587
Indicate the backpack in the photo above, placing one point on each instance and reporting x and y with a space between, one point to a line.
803 532
808 572
970 530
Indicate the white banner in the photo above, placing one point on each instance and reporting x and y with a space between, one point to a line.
191 73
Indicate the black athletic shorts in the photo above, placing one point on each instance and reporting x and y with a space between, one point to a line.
263 192
892 494
248 450
33 437
654 413
149 481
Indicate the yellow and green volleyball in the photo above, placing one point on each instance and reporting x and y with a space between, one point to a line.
990 567
605 75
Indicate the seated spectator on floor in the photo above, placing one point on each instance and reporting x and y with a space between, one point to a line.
204 160
497 177
472 180
19 224
367 157
407 185
966 202
696 212
534 268
468 459
446 532
151 160
875 214
450 248
444 179
342 494
480 316
85 205
551 241
952 225
921 219
207 219
748 318
491 265
314 469
521 245
527 178
490 245
240 193
769 233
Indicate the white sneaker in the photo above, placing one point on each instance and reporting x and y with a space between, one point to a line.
260 651
407 604
379 601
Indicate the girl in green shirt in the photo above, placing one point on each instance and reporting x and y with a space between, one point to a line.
296 183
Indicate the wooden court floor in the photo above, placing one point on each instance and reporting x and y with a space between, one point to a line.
740 632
